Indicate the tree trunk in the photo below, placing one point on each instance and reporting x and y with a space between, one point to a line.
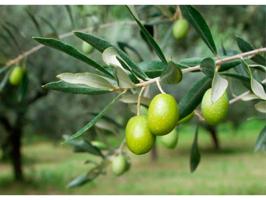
15 153
154 153
213 133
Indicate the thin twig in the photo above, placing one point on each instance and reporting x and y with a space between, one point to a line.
159 86
227 59
65 35
239 97
139 97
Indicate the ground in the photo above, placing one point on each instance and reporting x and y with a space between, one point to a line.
235 169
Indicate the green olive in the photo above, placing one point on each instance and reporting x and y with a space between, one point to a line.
138 136
87 48
169 140
119 165
16 76
214 112
180 29
163 114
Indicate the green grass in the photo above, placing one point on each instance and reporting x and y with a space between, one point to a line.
235 169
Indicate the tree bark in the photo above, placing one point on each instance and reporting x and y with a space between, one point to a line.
16 144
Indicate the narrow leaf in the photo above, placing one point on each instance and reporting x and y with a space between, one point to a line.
244 46
249 97
207 66
172 74
70 50
261 106
4 81
133 99
198 22
148 37
89 79
109 56
123 79
261 141
78 181
258 89
82 146
193 97
195 153
35 22
124 46
70 14
101 45
51 26
219 86
74 88
95 119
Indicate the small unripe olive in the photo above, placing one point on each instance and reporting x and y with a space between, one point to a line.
138 136
180 28
169 140
119 165
87 48
163 114
214 112
16 76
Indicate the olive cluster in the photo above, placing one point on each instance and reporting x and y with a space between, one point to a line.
163 117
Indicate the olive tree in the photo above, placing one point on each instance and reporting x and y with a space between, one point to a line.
157 117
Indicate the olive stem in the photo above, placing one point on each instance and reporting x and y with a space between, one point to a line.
121 146
237 98
139 97
159 86
198 114
230 58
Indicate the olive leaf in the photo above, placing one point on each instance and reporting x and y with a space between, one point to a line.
94 120
101 44
89 79
256 87
123 79
198 22
70 50
172 74
249 97
219 86
261 141
4 80
148 37
88 177
195 153
106 125
74 88
193 97
261 106
109 56
244 46
207 66
83 146
133 99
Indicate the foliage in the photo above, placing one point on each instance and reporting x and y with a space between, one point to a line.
119 73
